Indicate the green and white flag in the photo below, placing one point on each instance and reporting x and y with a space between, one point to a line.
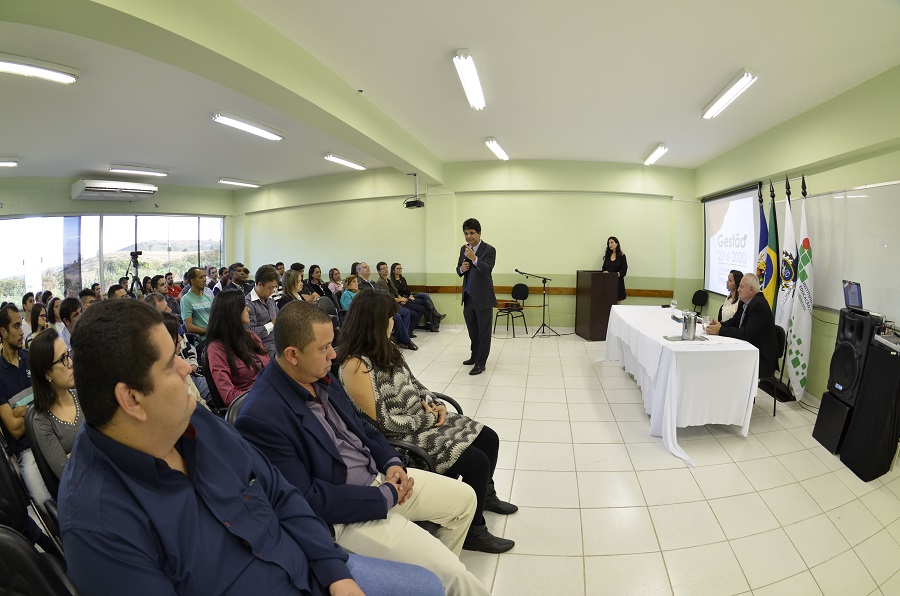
800 331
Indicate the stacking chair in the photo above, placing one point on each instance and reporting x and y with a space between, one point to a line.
235 408
511 311
217 404
25 571
701 297
50 479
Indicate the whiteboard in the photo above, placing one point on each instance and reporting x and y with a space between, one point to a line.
854 235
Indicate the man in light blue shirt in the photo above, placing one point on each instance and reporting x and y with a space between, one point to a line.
195 305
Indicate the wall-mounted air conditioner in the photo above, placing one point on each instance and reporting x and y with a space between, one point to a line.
111 190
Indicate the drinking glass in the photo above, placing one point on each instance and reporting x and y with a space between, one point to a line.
673 304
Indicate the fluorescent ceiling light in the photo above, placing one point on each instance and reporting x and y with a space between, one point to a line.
344 161
136 170
655 154
494 146
9 162
247 126
740 83
468 76
234 182
29 67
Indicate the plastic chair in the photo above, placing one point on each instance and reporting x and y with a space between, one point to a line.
519 293
773 382
50 479
23 570
235 408
701 298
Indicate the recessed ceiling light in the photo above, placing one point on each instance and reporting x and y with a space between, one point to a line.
740 83
247 126
344 161
494 146
136 170
9 162
468 76
30 67
658 152
235 182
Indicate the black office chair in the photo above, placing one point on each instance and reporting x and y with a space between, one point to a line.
773 383
25 571
14 501
50 479
217 404
327 304
235 408
520 295
342 312
700 299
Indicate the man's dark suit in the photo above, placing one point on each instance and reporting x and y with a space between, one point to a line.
278 421
478 302
759 329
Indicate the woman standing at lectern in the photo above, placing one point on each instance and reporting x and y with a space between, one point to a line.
614 262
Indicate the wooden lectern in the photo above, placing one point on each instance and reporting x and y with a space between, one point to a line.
595 294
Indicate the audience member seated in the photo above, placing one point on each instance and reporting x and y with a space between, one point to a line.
238 274
293 285
57 415
235 354
116 291
432 315
755 325
161 497
351 289
262 308
196 381
69 311
53 314
212 277
733 307
300 417
98 294
146 286
171 289
46 296
389 397
38 325
27 304
158 283
279 289
186 284
195 305
15 384
334 280
364 273
414 311
315 285
224 280
86 297
305 294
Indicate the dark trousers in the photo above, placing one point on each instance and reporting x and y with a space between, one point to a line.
401 328
478 322
476 466
416 312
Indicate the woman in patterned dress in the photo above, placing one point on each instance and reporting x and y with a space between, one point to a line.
387 395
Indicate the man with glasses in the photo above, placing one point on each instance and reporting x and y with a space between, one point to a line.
263 309
86 296
15 384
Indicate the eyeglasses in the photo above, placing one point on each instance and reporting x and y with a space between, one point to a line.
65 360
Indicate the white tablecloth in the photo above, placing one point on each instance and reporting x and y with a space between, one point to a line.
683 383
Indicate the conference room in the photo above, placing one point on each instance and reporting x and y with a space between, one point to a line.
576 97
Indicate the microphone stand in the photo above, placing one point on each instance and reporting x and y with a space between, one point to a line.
544 330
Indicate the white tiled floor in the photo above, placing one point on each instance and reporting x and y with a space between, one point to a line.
604 509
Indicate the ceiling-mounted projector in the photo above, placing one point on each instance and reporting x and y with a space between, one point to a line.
111 190
414 202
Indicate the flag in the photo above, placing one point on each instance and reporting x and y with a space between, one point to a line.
787 272
800 330
766 267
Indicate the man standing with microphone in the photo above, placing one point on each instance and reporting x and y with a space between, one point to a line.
476 261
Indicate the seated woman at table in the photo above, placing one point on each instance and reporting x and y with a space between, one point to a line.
385 393
733 306
57 416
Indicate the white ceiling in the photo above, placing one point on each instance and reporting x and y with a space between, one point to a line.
564 80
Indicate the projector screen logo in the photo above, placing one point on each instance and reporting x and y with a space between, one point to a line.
732 241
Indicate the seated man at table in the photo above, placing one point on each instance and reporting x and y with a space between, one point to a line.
755 325
162 497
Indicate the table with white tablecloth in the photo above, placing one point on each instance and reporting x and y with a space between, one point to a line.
683 383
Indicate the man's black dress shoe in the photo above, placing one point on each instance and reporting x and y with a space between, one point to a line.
477 369
469 361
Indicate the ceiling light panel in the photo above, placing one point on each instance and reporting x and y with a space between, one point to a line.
658 152
334 157
740 83
253 128
236 182
30 67
136 171
494 146
468 76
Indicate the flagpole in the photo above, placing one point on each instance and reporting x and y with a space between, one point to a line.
787 192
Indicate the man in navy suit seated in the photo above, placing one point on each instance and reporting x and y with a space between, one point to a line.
755 325
299 415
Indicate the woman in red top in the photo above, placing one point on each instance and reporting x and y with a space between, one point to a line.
235 354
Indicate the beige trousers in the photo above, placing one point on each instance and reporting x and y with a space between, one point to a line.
444 501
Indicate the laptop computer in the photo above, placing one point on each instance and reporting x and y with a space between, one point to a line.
853 295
